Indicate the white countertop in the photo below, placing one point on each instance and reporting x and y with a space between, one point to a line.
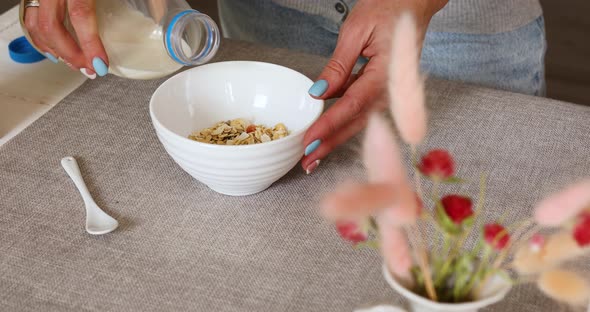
27 91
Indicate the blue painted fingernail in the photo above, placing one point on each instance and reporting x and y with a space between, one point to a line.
319 88
312 147
51 57
100 67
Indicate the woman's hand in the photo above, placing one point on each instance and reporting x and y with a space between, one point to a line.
45 25
367 32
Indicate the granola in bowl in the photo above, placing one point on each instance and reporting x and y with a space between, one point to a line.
239 132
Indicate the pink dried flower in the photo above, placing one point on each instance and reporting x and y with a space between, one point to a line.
582 230
537 242
564 205
557 249
458 208
354 201
565 286
437 164
351 231
384 165
496 236
381 153
396 252
406 85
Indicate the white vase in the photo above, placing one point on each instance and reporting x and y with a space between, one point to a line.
493 291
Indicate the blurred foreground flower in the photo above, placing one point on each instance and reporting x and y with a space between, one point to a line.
394 216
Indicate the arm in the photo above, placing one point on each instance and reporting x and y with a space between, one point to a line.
367 32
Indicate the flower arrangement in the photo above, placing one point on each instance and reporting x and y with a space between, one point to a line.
389 213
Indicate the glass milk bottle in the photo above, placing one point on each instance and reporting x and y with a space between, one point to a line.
147 39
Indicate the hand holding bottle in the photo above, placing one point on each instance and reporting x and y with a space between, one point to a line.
45 24
137 39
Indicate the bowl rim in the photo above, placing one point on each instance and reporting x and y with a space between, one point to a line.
291 136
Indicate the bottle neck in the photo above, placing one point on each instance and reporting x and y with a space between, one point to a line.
191 38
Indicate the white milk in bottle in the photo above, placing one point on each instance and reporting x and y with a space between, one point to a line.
134 42
147 39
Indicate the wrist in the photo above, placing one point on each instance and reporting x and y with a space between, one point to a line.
422 9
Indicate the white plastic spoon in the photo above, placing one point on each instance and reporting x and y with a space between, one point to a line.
97 221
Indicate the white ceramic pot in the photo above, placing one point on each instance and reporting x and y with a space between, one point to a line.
493 291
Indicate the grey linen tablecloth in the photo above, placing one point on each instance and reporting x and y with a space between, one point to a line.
181 246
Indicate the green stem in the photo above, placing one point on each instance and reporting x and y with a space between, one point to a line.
447 245
478 272
442 273
435 188
423 260
477 249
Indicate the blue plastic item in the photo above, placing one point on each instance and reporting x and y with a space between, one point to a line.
21 51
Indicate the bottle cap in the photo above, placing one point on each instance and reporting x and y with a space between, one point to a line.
21 51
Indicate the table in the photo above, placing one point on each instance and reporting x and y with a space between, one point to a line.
181 246
27 91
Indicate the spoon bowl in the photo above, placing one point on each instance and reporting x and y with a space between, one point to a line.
98 222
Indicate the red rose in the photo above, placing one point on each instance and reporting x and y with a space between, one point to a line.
582 230
351 231
496 235
437 164
458 208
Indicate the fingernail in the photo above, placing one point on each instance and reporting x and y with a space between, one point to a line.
100 67
50 57
69 64
312 147
84 71
312 166
318 88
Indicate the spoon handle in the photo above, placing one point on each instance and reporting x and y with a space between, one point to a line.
71 166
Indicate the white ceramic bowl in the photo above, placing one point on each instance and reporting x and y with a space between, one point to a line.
260 92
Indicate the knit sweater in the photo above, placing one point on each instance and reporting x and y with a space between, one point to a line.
458 16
